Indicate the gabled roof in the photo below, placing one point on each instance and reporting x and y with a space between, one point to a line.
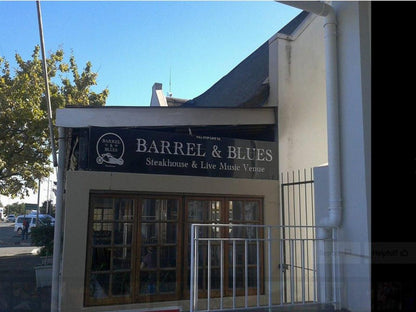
291 27
245 86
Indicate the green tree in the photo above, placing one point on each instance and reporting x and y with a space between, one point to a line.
24 137
47 207
15 208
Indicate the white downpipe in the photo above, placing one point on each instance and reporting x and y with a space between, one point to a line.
334 217
58 223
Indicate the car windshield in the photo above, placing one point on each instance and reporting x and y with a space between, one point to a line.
45 220
20 220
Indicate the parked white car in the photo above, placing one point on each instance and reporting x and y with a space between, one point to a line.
10 218
31 218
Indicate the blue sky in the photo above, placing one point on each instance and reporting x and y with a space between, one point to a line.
133 44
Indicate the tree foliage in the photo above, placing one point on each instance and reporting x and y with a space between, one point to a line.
47 208
15 208
24 135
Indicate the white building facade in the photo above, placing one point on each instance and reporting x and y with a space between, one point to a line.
288 108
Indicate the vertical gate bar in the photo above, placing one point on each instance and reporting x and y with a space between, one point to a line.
246 271
292 278
234 277
269 264
209 274
300 204
315 268
289 228
258 266
196 274
300 219
295 232
191 280
334 278
312 198
282 269
302 251
222 274
283 231
307 229
336 274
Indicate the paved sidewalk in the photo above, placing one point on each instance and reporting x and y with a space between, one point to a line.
18 291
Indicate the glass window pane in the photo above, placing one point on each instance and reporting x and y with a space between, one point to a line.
102 233
172 211
167 281
101 259
147 283
215 255
149 233
149 258
235 210
204 210
239 253
168 257
251 211
215 278
195 211
239 277
103 208
99 285
252 277
214 211
124 210
121 284
121 258
238 232
252 253
171 232
123 233
150 210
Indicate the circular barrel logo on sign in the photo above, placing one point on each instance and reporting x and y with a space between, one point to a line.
110 149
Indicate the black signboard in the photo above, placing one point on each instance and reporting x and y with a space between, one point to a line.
152 152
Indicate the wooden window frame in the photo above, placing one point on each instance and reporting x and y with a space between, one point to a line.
182 252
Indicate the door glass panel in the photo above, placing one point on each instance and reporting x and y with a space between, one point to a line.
121 284
149 233
99 285
168 281
168 257
121 258
123 210
235 210
251 211
204 211
150 210
172 211
101 259
122 233
147 284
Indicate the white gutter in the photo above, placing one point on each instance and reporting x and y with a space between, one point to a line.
334 217
57 238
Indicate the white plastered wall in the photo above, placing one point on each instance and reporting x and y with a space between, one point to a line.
298 89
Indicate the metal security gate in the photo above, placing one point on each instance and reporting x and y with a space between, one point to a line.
298 220
256 283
